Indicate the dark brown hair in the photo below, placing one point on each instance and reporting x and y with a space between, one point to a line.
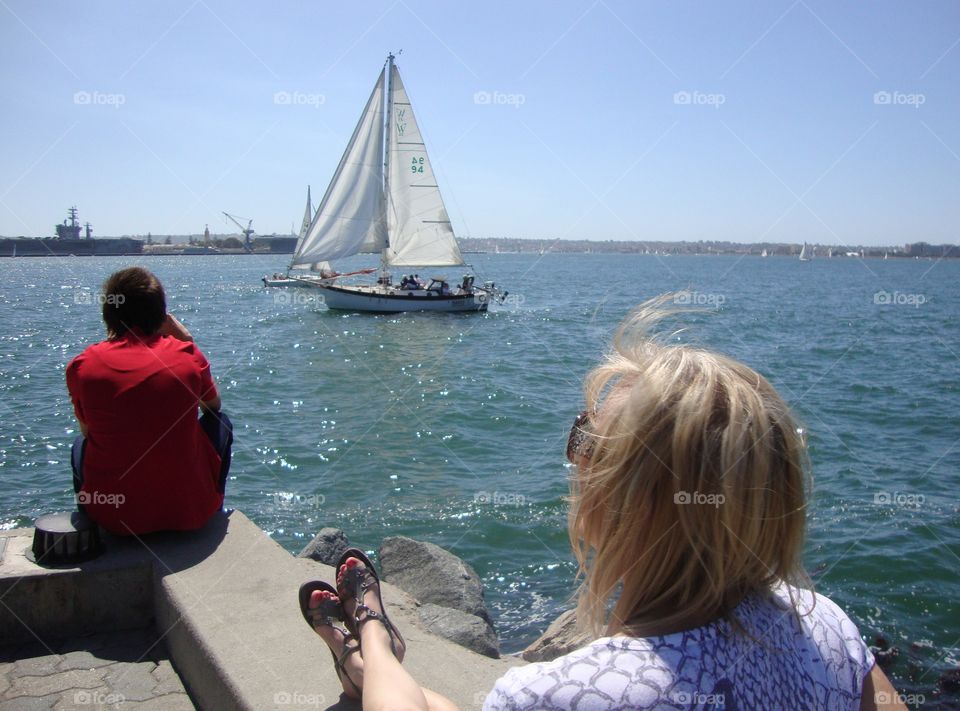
133 298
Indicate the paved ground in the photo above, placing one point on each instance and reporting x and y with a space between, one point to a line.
119 670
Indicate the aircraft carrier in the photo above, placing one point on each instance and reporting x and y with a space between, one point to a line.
69 243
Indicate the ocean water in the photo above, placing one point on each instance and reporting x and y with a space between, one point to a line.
451 428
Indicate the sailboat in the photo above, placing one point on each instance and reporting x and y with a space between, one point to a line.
311 273
763 253
803 253
384 199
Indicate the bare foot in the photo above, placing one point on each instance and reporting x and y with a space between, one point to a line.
351 673
370 634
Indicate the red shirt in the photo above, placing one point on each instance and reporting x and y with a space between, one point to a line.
147 466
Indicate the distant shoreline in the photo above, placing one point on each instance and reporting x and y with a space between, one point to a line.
191 245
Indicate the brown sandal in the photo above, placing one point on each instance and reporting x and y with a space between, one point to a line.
326 614
354 584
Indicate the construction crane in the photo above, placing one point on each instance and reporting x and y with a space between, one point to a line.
246 232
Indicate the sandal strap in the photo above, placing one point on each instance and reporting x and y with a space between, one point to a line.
347 651
325 614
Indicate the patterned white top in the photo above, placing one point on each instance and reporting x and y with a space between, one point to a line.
816 660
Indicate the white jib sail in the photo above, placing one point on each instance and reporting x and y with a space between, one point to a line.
350 218
304 228
420 229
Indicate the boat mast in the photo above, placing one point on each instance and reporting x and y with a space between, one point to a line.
388 87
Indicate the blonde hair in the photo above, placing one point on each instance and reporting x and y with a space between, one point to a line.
694 492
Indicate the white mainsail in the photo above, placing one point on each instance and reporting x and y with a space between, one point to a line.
418 224
350 217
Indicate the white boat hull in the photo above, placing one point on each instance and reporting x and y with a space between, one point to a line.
390 300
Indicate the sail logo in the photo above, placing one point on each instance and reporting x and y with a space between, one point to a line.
98 98
298 98
401 121
899 98
498 98
898 298
699 98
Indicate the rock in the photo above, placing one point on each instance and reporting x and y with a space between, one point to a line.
326 547
431 574
466 630
950 680
883 653
561 637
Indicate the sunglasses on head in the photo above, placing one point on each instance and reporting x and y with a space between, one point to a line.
580 443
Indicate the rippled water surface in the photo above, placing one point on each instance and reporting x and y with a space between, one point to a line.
451 428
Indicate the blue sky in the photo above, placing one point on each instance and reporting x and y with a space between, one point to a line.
830 122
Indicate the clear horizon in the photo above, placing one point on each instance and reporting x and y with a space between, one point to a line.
831 123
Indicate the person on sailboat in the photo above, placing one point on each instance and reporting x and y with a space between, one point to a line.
144 462
688 514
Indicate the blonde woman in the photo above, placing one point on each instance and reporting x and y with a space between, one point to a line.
687 518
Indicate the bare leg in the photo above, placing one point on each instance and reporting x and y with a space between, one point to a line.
387 685
335 639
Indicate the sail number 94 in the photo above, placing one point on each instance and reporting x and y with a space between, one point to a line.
416 165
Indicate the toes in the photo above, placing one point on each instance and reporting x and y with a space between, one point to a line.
318 596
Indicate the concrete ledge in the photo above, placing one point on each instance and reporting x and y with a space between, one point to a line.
225 601
112 592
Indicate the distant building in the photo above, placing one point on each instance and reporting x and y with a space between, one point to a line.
924 249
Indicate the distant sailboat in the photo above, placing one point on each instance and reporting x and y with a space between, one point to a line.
764 253
804 257
312 273
384 199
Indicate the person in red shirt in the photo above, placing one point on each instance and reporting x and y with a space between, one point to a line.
144 461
